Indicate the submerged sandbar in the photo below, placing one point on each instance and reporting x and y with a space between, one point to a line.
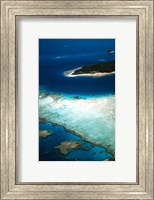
93 118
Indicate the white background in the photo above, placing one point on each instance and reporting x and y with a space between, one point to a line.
124 32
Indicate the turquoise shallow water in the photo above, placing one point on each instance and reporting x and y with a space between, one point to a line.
48 152
55 57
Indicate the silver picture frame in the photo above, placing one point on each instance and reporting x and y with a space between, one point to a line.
11 10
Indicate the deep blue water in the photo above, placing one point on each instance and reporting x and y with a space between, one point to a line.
55 57
49 152
59 55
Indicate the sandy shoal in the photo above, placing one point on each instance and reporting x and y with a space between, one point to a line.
92 118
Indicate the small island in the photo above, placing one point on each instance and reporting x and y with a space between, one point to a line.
97 69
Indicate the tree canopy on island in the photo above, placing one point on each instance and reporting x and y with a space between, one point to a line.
99 67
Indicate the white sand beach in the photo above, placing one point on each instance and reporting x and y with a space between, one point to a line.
97 74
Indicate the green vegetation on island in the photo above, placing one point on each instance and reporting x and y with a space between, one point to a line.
99 67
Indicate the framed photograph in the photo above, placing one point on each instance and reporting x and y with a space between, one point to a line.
76 106
76 99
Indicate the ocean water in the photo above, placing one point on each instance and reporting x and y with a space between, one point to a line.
60 134
55 57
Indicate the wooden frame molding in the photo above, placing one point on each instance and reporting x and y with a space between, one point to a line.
11 10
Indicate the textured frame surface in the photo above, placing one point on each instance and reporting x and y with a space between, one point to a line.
10 10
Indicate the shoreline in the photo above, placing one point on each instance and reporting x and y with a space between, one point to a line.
97 74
